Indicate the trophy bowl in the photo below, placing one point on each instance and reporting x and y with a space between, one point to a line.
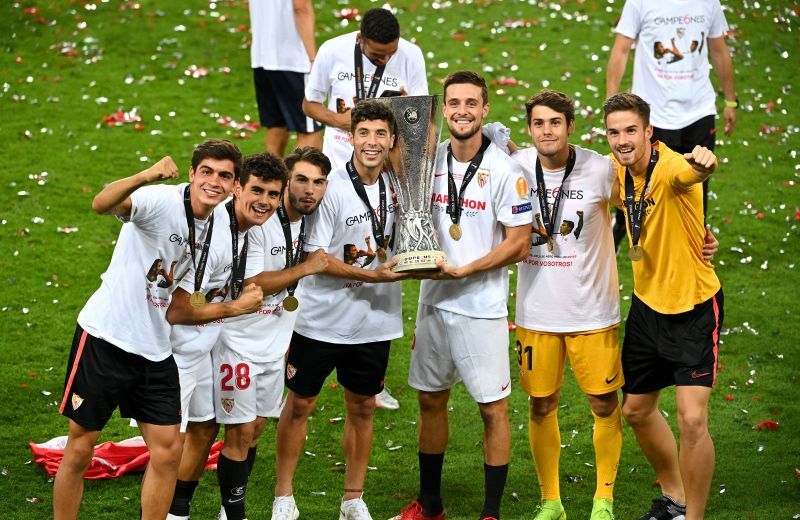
412 161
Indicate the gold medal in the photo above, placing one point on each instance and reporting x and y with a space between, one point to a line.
382 255
290 303
636 253
455 232
197 299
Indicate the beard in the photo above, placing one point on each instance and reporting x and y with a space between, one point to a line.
464 136
295 203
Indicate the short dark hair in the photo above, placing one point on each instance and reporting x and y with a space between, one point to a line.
380 25
266 167
219 149
310 155
467 76
555 100
627 101
370 110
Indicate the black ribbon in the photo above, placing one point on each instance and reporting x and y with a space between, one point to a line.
199 266
454 197
239 260
377 227
376 76
636 211
292 256
541 192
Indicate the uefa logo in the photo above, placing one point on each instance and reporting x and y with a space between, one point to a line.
411 115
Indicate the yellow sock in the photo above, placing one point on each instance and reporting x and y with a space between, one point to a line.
607 440
545 441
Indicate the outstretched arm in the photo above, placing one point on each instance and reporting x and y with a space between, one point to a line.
115 198
514 248
273 281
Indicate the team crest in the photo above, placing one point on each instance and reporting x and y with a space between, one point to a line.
77 401
227 404
290 371
482 176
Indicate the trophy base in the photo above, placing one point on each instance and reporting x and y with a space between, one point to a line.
417 261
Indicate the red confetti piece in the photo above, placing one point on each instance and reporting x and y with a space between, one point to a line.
121 117
789 184
766 425
139 127
511 326
797 473
729 397
760 214
347 13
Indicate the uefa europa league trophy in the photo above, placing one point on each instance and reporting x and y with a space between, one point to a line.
412 161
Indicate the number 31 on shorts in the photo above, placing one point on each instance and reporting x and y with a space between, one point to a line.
526 353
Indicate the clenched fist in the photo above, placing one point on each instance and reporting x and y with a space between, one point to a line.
702 160
250 299
163 170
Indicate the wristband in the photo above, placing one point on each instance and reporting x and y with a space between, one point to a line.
732 104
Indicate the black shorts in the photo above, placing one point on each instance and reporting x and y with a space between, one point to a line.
101 377
280 94
360 367
683 140
661 350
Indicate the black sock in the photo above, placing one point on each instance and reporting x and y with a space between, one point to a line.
251 459
232 476
494 484
182 499
430 483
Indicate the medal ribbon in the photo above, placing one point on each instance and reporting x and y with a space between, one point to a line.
376 76
454 197
377 227
541 192
636 211
292 256
199 266
239 260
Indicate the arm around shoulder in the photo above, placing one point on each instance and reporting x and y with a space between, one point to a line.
181 312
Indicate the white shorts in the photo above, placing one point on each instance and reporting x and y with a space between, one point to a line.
244 390
450 347
197 394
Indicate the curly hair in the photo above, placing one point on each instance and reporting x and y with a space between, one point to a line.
380 26
266 167
369 110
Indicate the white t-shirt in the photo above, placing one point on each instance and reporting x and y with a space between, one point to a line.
332 78
674 79
151 256
192 343
276 42
497 196
573 288
264 336
334 309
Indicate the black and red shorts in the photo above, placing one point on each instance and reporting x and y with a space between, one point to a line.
662 350
100 377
